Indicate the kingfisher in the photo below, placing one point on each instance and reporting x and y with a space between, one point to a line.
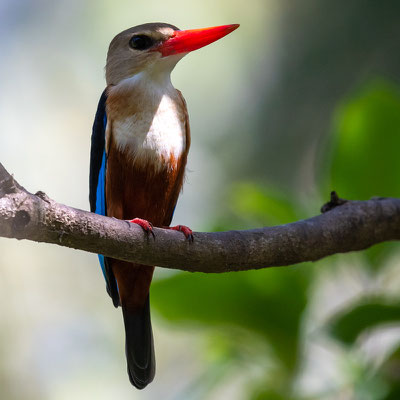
139 148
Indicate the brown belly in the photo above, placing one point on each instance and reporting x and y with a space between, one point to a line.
139 191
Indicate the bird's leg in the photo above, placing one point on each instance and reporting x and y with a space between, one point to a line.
145 225
184 229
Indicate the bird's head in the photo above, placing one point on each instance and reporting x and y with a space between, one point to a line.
155 48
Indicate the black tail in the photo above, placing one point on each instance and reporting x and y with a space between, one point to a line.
139 346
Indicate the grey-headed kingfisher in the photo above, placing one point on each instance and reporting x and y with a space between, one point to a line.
140 143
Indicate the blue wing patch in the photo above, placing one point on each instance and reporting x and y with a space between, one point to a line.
101 188
101 202
97 186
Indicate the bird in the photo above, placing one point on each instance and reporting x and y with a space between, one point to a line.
139 147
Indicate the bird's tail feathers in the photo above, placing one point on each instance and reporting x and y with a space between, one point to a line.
139 345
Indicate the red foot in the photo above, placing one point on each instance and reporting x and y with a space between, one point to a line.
185 230
145 225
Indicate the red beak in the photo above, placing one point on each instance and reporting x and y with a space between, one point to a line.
193 39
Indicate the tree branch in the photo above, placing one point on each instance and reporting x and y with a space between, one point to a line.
345 226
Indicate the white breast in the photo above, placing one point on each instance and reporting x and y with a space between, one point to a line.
156 131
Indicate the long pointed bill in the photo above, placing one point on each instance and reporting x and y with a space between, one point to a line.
193 39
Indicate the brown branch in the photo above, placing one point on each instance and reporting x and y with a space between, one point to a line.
349 226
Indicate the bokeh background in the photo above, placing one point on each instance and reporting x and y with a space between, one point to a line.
302 99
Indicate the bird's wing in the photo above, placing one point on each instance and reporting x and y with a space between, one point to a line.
97 185
98 161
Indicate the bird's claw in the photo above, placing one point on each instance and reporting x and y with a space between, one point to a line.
185 230
145 225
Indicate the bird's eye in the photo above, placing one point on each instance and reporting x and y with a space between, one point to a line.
141 42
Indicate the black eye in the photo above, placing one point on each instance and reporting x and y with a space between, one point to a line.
141 42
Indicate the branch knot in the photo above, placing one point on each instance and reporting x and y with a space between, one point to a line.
335 201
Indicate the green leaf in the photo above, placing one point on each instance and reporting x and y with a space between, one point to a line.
365 160
268 302
347 325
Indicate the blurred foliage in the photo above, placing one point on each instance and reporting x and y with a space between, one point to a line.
366 137
390 372
326 49
365 160
245 299
253 201
363 316
271 303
